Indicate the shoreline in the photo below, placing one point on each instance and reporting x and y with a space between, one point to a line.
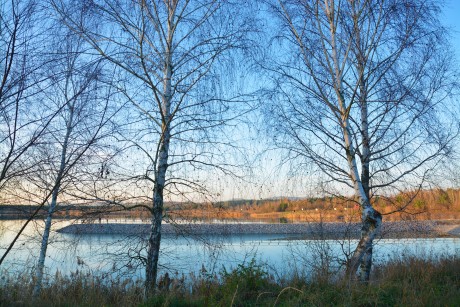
332 230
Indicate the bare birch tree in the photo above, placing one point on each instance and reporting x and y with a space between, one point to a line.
168 51
81 94
23 60
364 92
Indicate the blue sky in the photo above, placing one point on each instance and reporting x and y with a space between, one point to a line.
451 18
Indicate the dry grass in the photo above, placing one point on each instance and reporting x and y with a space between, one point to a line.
408 282
76 290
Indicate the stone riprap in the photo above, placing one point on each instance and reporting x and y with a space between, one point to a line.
307 230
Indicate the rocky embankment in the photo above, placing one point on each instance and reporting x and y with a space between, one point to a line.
406 229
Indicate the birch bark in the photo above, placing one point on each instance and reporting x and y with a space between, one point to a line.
52 206
370 218
154 241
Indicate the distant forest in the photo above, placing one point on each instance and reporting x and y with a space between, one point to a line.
420 205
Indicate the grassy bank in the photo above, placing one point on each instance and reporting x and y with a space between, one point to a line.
409 282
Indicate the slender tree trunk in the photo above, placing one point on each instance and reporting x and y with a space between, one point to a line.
362 256
365 146
362 100
44 245
370 218
52 207
153 252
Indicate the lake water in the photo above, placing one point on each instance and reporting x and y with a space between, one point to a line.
117 256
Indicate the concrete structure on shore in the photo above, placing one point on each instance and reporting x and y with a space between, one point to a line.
407 229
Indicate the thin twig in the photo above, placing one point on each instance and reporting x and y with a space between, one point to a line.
287 288
234 295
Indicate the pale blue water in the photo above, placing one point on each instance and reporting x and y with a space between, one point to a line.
118 256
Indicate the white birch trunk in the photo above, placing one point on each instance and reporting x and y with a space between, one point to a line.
370 218
52 207
154 241
366 262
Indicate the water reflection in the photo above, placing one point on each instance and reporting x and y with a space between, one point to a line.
119 256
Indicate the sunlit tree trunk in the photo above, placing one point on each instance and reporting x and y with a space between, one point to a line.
370 218
371 221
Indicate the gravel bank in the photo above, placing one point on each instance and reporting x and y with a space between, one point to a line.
308 230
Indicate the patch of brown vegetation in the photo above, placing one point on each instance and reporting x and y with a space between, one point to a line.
435 204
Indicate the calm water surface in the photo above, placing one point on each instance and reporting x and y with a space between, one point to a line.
118 256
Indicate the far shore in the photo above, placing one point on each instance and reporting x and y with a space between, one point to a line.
336 230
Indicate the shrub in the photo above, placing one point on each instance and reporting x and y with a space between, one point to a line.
246 282
282 207
283 220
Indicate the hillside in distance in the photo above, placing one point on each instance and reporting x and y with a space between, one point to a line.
435 204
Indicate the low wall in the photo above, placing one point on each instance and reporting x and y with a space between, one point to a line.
309 230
